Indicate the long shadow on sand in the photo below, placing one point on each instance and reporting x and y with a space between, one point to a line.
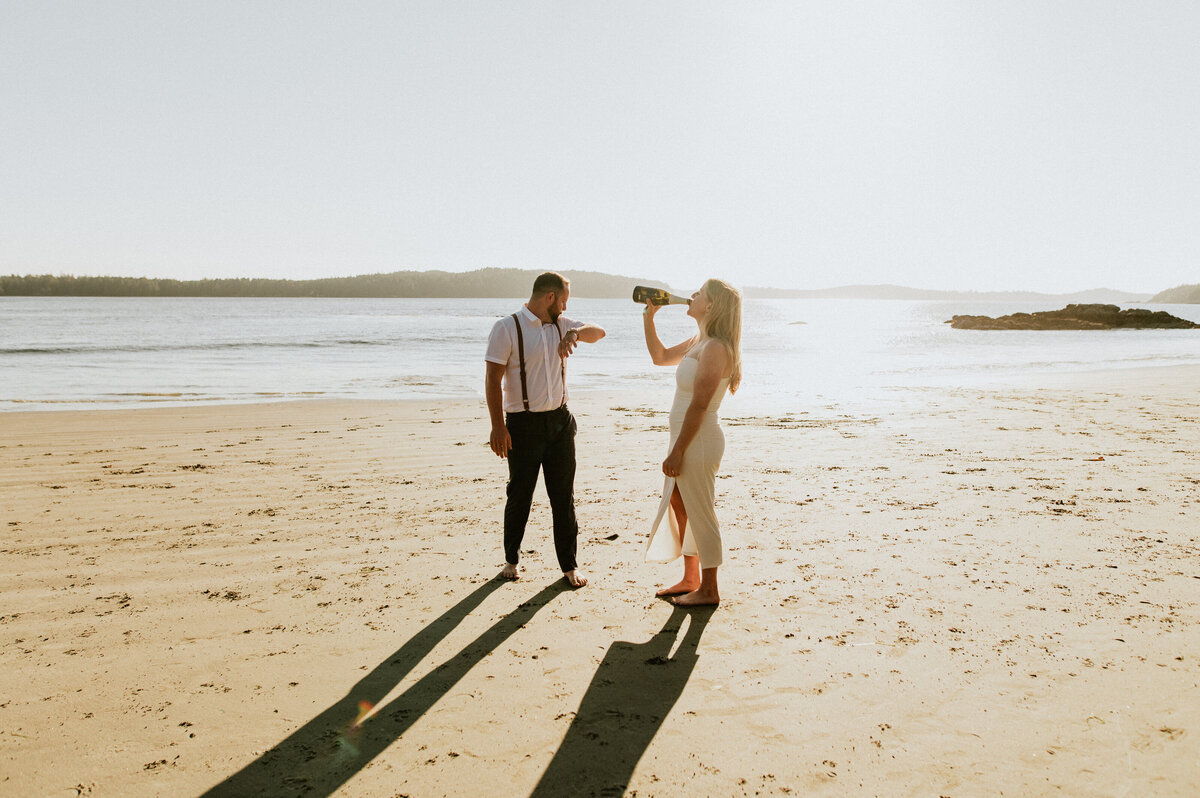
630 696
321 756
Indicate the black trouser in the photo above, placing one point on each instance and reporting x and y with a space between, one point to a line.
544 441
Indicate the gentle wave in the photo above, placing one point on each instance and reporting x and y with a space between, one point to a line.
1071 364
212 347
120 399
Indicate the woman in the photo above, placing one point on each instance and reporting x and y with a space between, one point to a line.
708 364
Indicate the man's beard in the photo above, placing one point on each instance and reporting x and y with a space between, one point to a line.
553 314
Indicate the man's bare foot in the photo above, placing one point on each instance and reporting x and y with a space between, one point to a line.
510 571
684 586
575 578
697 598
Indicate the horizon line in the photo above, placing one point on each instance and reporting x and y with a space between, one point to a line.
843 286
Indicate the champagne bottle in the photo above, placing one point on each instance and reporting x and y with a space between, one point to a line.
657 296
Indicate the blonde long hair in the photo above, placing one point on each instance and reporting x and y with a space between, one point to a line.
724 323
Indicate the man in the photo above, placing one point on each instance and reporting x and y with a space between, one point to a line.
526 379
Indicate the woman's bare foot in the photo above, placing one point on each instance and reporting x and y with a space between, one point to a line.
684 586
575 578
510 571
697 598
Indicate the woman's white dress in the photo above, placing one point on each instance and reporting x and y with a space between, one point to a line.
696 481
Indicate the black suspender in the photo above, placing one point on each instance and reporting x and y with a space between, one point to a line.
562 361
521 354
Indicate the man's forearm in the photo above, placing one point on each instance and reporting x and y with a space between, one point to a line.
495 402
589 333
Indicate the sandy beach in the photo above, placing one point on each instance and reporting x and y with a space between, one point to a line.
991 591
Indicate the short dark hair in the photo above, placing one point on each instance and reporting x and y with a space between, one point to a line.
547 282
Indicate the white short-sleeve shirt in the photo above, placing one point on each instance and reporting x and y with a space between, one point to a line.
543 366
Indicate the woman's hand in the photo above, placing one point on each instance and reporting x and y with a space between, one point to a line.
672 465
650 310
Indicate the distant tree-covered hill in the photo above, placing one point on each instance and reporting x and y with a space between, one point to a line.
479 283
504 283
1104 295
1179 295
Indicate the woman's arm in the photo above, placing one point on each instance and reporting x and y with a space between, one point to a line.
714 362
659 354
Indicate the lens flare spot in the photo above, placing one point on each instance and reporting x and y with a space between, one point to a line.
364 709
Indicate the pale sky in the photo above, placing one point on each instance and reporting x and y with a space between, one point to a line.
1049 146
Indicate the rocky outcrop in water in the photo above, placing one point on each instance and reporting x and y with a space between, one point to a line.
1078 317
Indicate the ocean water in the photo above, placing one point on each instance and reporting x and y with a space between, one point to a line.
68 352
